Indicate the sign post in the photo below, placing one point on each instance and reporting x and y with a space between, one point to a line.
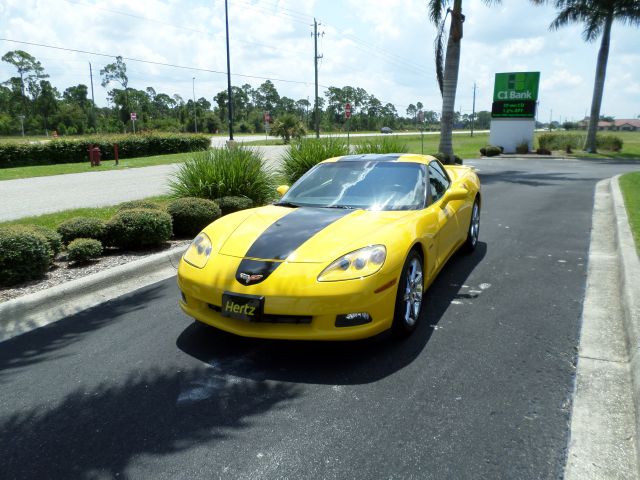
347 114
421 120
513 111
134 117
267 125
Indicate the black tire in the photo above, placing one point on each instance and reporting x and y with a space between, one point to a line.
474 229
408 308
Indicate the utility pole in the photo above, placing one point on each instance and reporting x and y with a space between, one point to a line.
230 108
473 112
550 118
316 113
93 100
195 118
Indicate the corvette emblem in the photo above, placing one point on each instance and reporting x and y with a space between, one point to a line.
249 278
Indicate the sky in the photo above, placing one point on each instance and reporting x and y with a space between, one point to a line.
383 46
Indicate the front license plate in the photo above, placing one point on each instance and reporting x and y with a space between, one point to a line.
242 307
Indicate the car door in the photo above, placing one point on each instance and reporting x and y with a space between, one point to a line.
447 232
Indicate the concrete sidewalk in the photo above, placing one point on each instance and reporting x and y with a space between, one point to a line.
35 196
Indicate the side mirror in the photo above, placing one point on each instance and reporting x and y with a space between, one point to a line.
455 194
282 189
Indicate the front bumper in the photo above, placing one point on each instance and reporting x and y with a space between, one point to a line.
291 291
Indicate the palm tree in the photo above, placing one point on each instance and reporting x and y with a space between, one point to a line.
597 16
447 71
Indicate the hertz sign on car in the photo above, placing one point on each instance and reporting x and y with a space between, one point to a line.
346 253
515 94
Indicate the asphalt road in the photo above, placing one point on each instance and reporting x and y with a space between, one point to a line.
134 389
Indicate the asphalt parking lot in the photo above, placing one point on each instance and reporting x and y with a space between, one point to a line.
134 389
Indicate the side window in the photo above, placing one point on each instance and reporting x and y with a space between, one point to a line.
438 182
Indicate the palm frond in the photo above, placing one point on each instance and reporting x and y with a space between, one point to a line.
436 8
439 53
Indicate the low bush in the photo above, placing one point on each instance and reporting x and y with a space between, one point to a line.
561 141
307 153
381 145
138 204
190 215
24 255
233 204
223 172
54 239
75 151
138 228
491 151
543 151
84 249
522 147
81 227
609 142
442 157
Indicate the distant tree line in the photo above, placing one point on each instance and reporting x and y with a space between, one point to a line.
29 101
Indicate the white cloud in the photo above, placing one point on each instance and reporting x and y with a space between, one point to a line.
521 47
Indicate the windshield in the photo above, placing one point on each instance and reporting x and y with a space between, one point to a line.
366 185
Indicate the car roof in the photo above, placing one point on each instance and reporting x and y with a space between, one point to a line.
383 157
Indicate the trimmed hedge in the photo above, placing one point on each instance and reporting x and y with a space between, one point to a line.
609 142
490 151
81 227
441 156
138 228
233 204
54 239
75 151
190 215
561 141
24 255
138 204
84 249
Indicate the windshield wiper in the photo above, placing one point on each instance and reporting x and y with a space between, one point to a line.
286 204
345 207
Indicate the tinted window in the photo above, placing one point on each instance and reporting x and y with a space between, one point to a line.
438 182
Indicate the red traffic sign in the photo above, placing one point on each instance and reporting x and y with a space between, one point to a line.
267 116
347 110
134 116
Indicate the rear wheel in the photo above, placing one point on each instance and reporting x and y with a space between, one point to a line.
409 297
474 228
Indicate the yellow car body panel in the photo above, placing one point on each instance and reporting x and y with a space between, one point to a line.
296 305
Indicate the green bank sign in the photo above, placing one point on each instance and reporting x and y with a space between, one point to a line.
516 86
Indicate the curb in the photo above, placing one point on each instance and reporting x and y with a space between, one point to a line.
630 291
38 309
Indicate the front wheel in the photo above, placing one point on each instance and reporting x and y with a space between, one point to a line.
409 297
474 229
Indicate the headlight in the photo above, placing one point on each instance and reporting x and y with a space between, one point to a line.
198 252
357 264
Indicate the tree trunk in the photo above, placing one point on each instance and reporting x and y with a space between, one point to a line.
450 82
598 87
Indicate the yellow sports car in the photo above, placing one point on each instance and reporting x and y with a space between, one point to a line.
345 254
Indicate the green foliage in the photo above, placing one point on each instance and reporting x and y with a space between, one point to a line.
306 153
81 227
24 255
190 215
609 142
74 151
561 141
139 204
222 172
138 228
84 249
441 156
490 151
288 126
382 145
543 151
54 239
233 204
522 147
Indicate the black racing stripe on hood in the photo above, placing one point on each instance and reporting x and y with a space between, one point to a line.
284 236
281 239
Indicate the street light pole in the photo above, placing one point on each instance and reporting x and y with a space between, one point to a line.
195 118
230 108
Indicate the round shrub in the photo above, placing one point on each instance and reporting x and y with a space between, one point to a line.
138 204
138 228
233 204
84 249
24 255
190 215
492 150
441 157
54 239
81 227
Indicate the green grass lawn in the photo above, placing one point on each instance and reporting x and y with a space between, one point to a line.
52 220
630 186
59 169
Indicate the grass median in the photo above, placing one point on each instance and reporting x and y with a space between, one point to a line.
630 186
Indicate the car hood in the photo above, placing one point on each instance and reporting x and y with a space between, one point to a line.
305 234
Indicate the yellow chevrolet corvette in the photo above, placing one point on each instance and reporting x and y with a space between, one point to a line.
345 254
